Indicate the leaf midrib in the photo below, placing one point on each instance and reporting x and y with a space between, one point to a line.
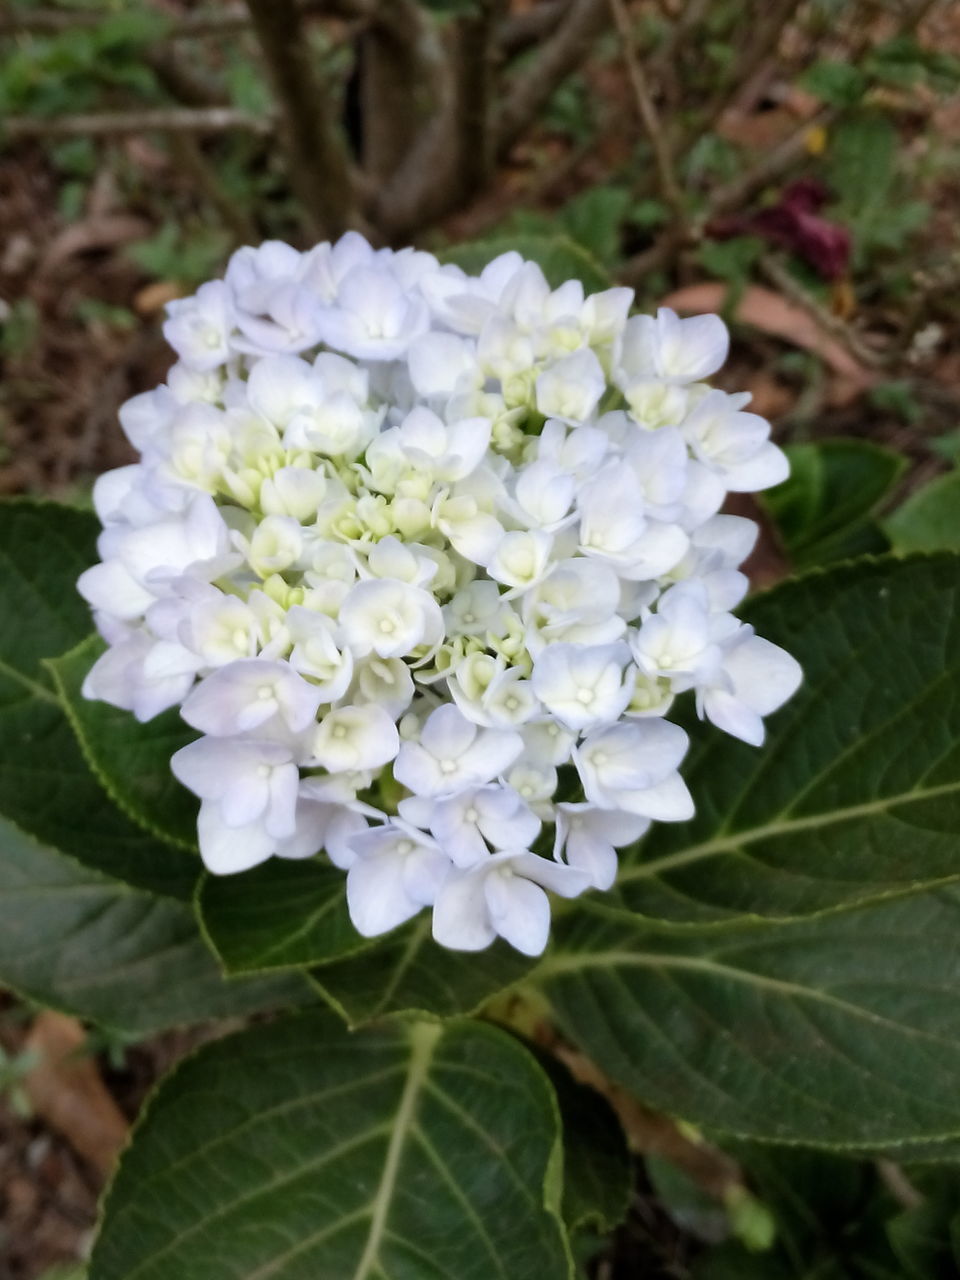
577 963
33 687
424 1037
779 827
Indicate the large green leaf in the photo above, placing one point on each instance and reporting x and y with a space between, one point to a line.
299 1151
74 939
929 520
131 760
841 1031
559 257
823 511
856 794
278 915
408 972
46 786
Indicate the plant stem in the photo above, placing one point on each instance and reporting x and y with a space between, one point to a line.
318 166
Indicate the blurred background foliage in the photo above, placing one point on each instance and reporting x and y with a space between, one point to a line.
790 163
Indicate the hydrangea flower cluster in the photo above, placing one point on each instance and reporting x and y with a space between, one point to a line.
425 558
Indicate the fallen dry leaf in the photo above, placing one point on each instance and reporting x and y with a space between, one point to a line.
154 297
773 314
66 1091
106 231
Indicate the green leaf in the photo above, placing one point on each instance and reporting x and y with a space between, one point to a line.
823 511
815 1032
131 760
594 219
278 915
408 972
559 257
839 84
46 786
856 794
104 951
299 1151
929 520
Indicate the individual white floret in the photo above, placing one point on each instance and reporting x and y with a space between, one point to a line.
396 871
522 559
659 462
678 641
475 610
571 388
588 838
355 737
423 443
578 602
466 823
293 491
390 619
139 564
198 328
227 849
221 629
672 349
373 318
582 685
504 895
535 782
546 742
543 496
386 682
132 675
633 766
454 753
465 303
466 520
442 364
734 443
249 780
614 529
275 544
244 695
755 678
318 652
579 452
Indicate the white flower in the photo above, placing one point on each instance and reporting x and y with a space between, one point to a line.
522 558
589 838
198 328
673 349
390 619
247 778
582 685
373 317
363 737
466 823
735 443
614 529
317 653
504 895
633 767
142 675
459 565
453 753
571 388
244 695
677 641
396 871
755 679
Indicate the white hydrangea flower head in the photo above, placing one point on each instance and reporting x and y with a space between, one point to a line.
426 558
